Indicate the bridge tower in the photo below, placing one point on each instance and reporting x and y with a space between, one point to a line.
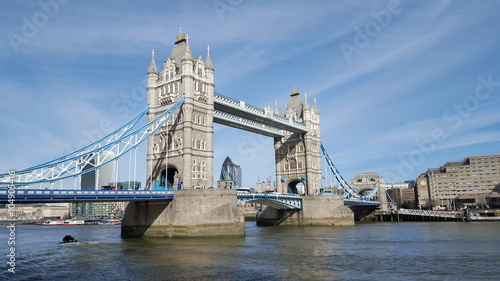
181 151
181 154
298 156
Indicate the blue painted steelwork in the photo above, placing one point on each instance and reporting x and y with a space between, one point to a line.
349 190
238 108
106 140
68 196
73 164
277 201
359 202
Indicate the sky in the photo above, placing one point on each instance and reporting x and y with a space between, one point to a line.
401 86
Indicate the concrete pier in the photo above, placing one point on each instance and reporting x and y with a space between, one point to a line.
316 210
192 213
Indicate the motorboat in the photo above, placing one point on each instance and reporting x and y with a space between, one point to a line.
53 222
74 222
110 221
69 239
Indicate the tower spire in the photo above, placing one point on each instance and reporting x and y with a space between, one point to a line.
180 37
152 65
187 53
208 61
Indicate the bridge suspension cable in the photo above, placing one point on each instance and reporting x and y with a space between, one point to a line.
350 192
89 158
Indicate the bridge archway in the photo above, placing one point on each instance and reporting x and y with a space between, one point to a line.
167 176
296 187
365 191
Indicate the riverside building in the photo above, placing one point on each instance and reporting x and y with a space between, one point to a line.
457 184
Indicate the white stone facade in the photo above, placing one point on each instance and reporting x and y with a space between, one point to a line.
182 150
298 156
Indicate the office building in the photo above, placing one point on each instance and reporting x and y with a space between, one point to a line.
457 184
231 171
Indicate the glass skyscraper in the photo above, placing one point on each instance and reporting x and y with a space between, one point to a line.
231 171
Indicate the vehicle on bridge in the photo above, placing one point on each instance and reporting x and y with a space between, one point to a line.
107 187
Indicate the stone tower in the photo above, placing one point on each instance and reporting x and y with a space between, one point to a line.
298 156
180 153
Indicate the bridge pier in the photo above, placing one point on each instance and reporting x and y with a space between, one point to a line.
361 212
316 210
192 213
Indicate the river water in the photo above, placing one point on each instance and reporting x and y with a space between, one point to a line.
371 251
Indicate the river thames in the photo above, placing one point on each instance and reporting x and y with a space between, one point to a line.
369 251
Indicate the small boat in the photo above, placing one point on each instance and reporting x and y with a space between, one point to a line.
55 222
74 222
111 221
68 239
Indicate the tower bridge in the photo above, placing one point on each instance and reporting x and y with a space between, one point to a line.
182 108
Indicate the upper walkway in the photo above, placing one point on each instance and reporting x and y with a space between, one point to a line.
238 114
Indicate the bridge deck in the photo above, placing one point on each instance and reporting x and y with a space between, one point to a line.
277 201
69 196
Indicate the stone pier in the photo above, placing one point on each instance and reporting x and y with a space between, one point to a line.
316 210
192 213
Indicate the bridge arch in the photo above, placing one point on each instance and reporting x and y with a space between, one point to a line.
365 191
168 176
296 186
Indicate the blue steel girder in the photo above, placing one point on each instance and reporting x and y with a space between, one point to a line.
262 116
349 190
358 202
88 160
276 201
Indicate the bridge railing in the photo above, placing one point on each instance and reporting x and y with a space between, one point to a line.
86 192
431 213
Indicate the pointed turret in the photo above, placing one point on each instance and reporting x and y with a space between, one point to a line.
208 61
180 38
295 106
187 53
181 47
306 105
152 65
152 80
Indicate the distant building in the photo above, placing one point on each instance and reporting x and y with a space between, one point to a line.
94 180
459 183
225 183
231 171
263 186
39 211
363 183
401 194
126 185
98 209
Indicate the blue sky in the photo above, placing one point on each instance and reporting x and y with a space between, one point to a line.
401 86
